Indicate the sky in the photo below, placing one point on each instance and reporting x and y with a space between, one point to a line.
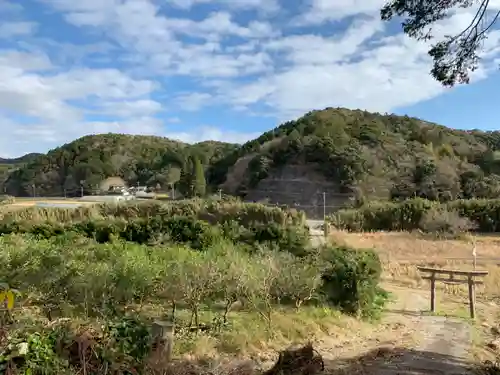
224 70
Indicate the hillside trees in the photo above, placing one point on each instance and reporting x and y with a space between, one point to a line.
373 155
364 154
192 181
143 160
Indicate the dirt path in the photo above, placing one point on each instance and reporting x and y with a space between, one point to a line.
441 344
438 345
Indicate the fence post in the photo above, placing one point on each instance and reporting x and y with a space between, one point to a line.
433 292
472 297
163 339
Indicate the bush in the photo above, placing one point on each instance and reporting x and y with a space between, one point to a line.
123 344
191 231
7 199
441 221
213 211
375 216
351 279
482 215
107 287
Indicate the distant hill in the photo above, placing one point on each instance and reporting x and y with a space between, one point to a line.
9 165
88 160
20 160
358 154
346 154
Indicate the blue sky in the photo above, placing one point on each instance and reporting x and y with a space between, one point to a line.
215 69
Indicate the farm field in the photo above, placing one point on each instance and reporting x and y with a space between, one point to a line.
241 282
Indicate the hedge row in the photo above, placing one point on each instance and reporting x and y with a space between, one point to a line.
408 215
213 211
198 234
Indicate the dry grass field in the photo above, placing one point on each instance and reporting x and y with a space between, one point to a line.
401 253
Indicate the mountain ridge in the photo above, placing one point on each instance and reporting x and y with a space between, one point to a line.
357 153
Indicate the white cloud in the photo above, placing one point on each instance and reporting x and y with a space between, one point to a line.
10 7
15 29
219 24
204 133
326 10
25 61
140 64
194 101
263 5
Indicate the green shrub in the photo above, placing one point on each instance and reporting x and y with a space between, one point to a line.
195 221
351 279
198 234
376 216
123 344
482 215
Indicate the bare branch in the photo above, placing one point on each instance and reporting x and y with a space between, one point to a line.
455 57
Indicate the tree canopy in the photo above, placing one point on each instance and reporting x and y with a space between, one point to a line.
369 154
374 155
455 56
85 162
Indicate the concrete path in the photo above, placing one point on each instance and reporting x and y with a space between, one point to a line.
443 343
316 231
441 347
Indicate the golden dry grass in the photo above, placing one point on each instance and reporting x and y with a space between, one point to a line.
401 253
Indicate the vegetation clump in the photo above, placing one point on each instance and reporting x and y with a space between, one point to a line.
69 325
6 199
87 161
196 223
419 214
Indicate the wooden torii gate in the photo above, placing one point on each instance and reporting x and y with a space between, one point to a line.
450 277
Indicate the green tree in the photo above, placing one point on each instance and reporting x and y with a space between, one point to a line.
455 56
198 179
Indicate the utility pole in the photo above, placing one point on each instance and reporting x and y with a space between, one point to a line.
324 207
173 191
325 227
474 253
220 193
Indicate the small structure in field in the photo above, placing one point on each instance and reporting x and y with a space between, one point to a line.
112 184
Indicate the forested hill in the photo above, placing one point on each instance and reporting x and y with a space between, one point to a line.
364 153
137 159
370 154
9 165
